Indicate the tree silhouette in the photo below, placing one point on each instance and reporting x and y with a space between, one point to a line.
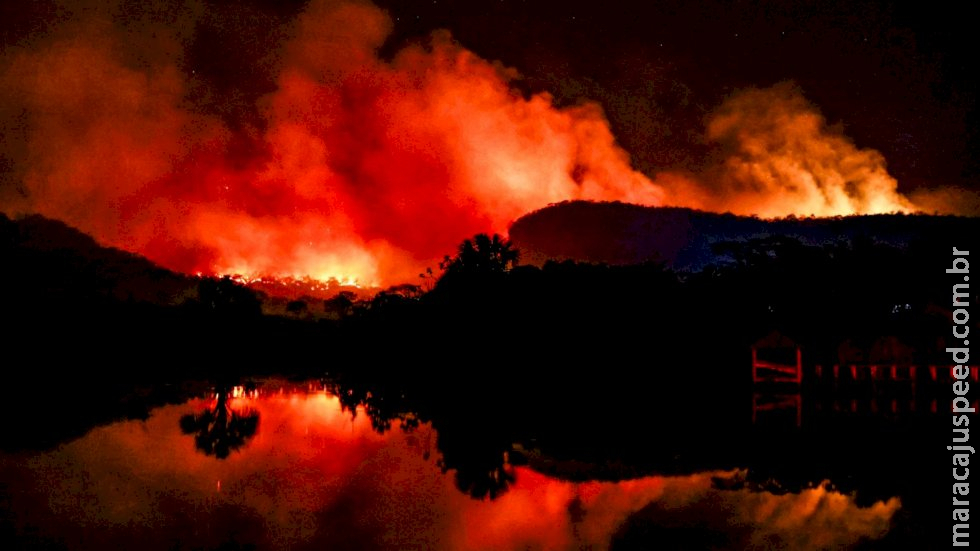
482 475
225 297
341 305
482 254
220 430
297 308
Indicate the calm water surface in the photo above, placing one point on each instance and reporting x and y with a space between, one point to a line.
287 467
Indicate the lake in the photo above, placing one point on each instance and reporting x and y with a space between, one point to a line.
316 465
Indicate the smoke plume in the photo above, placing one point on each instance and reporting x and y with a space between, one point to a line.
319 158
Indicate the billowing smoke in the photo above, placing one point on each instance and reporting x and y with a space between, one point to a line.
352 166
777 156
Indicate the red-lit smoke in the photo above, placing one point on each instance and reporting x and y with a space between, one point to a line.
359 168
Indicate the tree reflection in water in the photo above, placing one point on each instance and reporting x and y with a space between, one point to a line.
219 430
475 448
482 469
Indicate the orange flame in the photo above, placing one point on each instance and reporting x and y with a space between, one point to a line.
361 169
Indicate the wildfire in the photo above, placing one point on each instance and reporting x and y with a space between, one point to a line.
360 170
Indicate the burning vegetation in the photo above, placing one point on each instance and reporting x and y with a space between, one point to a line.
341 165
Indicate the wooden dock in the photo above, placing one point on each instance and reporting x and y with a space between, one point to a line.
893 389
777 359
911 375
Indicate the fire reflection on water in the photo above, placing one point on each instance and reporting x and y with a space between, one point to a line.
313 474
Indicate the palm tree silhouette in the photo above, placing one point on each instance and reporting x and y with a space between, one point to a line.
220 430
